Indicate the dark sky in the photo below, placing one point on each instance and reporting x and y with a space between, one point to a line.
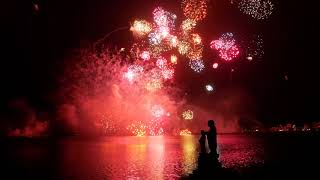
35 44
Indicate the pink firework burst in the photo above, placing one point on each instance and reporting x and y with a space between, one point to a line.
161 62
133 72
167 73
157 111
226 46
145 55
164 18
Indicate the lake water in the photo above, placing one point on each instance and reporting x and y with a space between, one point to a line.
273 156
159 157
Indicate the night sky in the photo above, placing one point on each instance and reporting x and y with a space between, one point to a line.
35 45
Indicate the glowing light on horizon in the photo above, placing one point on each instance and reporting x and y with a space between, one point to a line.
137 129
185 132
157 132
187 115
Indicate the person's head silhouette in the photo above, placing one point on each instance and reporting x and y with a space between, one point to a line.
211 124
203 132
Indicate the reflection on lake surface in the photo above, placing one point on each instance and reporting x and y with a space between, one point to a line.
155 157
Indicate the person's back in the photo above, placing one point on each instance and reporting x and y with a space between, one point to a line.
212 137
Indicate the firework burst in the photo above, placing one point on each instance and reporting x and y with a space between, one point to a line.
161 62
174 59
141 28
164 18
167 73
215 65
187 115
157 111
209 87
194 9
145 55
187 25
258 9
183 47
133 72
197 65
226 46
137 129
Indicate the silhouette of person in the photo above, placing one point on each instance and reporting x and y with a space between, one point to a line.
202 142
212 138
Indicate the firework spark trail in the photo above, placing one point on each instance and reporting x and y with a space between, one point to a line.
255 49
